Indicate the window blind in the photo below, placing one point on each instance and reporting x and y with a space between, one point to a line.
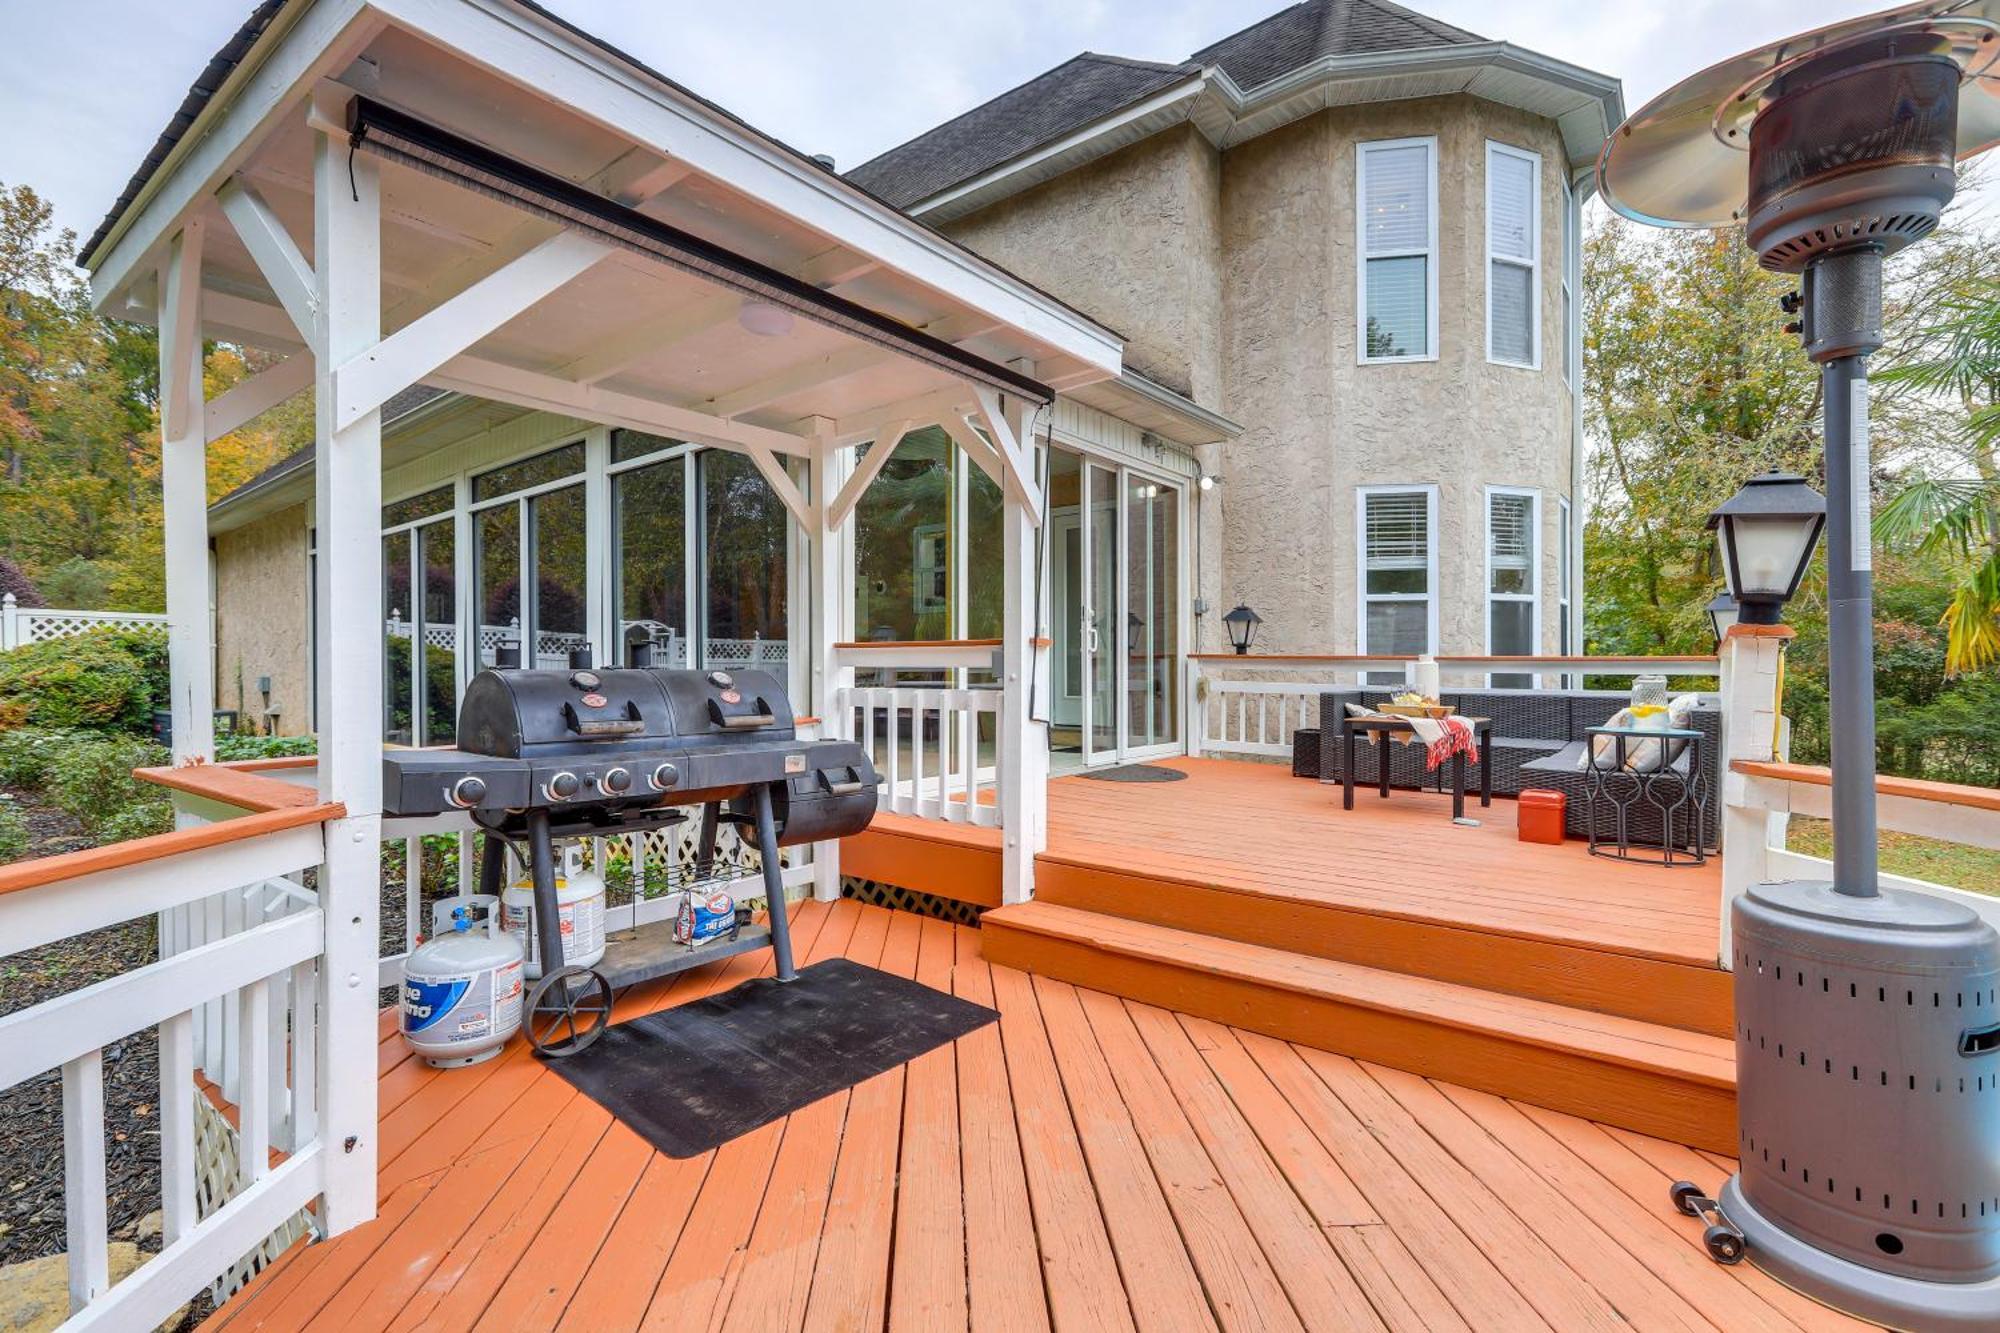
1510 203
1512 244
1511 542
1399 531
1396 204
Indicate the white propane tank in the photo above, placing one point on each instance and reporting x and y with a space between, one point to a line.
579 913
462 989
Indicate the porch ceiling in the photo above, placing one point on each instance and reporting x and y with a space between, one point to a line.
623 325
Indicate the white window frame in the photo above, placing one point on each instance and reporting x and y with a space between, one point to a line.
1533 263
1362 255
1362 597
1565 574
1534 598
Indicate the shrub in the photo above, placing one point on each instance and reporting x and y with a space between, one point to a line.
14 581
136 821
93 781
105 680
232 746
27 752
13 833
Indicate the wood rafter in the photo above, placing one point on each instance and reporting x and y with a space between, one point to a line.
277 256
364 383
533 389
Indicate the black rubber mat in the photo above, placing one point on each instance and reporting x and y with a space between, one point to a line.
693 1077
1136 773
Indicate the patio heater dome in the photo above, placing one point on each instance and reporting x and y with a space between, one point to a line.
1867 1019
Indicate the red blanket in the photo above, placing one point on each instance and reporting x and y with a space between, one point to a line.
1454 737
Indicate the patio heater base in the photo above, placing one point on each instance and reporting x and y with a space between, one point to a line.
1868 1101
1866 1293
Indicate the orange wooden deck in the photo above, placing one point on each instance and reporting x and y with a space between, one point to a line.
1088 1163
1255 829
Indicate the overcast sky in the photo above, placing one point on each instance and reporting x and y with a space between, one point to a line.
86 85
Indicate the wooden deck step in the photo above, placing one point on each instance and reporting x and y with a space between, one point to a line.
1647 1077
1544 964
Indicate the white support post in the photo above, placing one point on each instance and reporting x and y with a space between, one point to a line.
184 500
830 467
1195 717
1022 741
348 496
10 622
1749 665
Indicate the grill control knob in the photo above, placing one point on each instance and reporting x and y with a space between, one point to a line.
467 792
665 776
616 781
563 786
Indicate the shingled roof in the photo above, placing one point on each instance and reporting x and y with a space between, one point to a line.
1091 86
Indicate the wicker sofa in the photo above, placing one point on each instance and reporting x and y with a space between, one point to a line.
1539 738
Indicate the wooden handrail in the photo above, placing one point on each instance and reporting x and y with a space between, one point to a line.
1701 663
138 851
239 784
1914 789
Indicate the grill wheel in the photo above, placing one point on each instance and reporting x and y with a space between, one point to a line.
567 1011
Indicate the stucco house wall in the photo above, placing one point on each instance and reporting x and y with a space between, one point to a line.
1234 274
260 619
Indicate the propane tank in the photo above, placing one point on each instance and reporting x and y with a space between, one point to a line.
462 990
579 913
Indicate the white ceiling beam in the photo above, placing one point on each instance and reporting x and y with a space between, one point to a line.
635 342
832 268
976 448
865 471
787 490
923 408
546 393
797 378
251 398
1016 455
276 254
365 382
239 319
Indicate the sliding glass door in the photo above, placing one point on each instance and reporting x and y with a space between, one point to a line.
1115 605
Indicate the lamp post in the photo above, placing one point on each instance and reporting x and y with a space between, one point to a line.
1721 615
1242 624
1767 532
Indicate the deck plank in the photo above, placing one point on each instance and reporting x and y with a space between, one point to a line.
1322 1291
1084 1160
928 1272
1003 1271
1077 1260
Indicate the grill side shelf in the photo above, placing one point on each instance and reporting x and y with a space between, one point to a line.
651 951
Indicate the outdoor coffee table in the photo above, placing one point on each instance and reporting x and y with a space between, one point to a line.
1382 728
1623 789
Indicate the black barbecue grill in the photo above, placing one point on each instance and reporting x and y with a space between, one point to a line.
544 755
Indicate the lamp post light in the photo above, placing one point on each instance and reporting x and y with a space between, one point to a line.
1721 615
1767 532
1242 624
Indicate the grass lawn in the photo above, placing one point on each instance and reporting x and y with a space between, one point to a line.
1973 868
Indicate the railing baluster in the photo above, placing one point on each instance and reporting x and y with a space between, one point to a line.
305 1055
232 925
413 891
83 1178
253 1121
177 1094
898 801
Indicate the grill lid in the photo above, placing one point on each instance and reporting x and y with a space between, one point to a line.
512 714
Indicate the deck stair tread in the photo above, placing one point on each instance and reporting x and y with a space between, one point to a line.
1690 1056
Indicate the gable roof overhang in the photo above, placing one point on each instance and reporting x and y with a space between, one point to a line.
631 325
1586 106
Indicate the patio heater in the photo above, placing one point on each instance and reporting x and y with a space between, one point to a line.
1867 1020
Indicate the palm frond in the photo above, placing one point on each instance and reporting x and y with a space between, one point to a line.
1941 513
1972 621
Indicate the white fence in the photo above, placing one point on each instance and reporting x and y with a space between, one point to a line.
553 647
23 625
236 996
928 746
1255 705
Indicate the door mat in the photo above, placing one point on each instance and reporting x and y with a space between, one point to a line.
1136 773
693 1077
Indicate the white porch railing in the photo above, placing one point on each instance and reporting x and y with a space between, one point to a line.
1256 704
553 647
935 747
236 996
23 625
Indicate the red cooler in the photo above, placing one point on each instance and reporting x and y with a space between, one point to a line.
1541 816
